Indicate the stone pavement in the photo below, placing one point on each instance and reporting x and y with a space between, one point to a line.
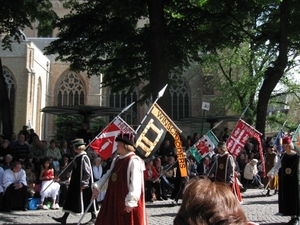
258 208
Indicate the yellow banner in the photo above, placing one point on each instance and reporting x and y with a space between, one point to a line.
175 132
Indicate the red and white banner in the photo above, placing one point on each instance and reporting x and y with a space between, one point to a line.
239 137
104 144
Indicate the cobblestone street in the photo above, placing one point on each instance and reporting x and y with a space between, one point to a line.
258 208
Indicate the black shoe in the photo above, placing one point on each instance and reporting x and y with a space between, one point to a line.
159 199
90 222
61 220
24 209
268 193
7 210
165 197
293 221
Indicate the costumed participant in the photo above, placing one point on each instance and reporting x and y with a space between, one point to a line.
79 193
224 170
180 182
15 188
48 187
288 171
270 161
124 201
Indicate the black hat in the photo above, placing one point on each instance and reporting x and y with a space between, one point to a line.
270 145
126 138
222 145
78 141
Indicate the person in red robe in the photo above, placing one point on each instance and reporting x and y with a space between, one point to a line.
124 201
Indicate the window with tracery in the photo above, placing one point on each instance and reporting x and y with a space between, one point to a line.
121 100
71 91
180 99
11 91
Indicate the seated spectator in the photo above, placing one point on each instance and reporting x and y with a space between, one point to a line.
192 168
54 154
20 149
206 202
4 150
15 188
159 169
150 175
251 173
29 161
65 149
7 164
48 187
37 150
31 180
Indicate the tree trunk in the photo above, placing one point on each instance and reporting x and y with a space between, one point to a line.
5 106
159 74
275 73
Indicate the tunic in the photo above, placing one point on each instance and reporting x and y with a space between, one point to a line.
289 196
224 168
76 200
125 188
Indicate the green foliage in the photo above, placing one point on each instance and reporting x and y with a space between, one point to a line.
139 43
115 38
61 123
15 15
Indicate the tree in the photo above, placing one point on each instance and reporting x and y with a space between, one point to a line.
141 42
269 29
131 42
15 15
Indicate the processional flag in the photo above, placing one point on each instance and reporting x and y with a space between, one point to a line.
278 141
155 125
104 143
204 146
239 137
296 138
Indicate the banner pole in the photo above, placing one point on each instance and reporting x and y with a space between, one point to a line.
160 94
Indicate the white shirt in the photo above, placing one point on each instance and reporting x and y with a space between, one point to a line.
10 177
1 179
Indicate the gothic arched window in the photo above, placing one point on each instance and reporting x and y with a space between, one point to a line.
179 98
11 91
121 100
71 91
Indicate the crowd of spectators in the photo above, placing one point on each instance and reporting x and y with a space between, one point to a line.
162 177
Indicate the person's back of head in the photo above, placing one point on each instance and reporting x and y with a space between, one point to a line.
209 203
